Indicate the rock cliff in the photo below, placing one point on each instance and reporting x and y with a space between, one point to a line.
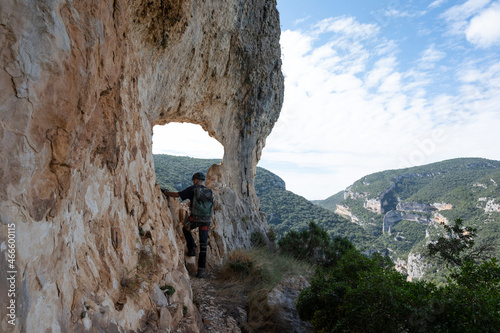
82 85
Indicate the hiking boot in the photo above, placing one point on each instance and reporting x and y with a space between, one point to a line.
191 252
201 273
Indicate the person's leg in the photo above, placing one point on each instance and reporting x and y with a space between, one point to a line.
202 258
190 242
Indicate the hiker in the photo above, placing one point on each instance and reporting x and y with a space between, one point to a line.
201 202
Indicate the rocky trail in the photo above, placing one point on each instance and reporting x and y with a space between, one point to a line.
222 305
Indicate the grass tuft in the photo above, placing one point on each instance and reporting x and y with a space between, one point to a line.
257 272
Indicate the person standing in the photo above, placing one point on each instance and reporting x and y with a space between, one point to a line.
201 209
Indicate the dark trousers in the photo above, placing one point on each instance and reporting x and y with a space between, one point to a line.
203 233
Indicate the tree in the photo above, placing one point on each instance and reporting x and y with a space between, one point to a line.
457 245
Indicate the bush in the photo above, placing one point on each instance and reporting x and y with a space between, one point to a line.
362 294
314 245
257 239
471 300
271 234
366 294
240 262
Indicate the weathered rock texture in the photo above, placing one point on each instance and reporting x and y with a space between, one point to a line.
82 83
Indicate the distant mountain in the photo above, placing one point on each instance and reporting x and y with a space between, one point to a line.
330 202
286 210
175 172
402 209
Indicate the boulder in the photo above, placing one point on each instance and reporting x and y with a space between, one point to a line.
282 300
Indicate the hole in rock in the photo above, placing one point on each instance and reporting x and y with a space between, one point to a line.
180 150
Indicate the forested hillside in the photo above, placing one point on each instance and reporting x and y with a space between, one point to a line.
286 211
175 172
402 209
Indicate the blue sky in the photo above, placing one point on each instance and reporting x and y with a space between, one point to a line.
372 86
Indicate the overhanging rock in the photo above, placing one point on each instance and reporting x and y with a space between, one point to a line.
82 85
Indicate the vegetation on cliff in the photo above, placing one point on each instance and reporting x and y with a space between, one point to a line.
466 188
353 292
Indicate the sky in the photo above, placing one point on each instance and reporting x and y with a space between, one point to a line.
376 85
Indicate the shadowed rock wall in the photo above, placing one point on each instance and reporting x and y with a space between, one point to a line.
82 83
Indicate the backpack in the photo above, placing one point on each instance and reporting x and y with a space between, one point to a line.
201 207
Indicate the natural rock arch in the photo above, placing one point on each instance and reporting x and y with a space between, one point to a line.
82 85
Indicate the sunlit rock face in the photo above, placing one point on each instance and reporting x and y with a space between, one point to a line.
82 85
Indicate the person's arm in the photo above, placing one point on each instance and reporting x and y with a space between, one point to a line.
170 194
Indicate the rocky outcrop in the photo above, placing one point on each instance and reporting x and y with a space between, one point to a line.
346 212
415 206
439 219
414 267
442 206
393 217
348 193
282 300
489 205
417 212
373 205
82 85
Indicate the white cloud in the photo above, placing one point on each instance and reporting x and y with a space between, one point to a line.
382 69
465 10
348 27
436 4
430 56
397 13
484 29
301 20
458 15
338 124
185 139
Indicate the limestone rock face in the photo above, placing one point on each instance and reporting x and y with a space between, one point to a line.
82 83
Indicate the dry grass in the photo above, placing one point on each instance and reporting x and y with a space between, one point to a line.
148 262
256 272
262 268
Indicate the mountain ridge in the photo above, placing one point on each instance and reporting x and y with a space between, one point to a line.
404 208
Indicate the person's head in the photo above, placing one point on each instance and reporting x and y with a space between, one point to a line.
198 178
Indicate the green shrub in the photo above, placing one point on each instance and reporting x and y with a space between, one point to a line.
168 290
240 262
366 294
271 234
471 300
362 294
257 239
315 245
